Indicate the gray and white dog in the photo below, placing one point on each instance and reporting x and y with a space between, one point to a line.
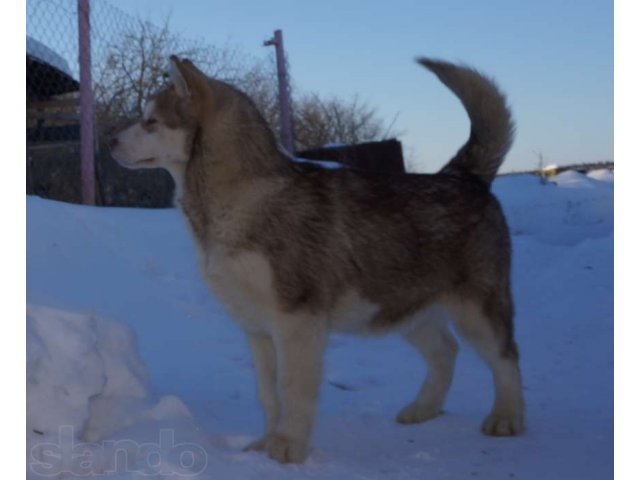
295 251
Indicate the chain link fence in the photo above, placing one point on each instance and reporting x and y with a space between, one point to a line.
129 59
128 63
53 121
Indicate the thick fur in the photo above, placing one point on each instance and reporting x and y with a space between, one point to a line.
491 126
295 251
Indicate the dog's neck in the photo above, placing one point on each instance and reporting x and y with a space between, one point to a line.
217 196
235 165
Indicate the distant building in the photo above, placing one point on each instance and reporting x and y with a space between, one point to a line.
553 170
549 171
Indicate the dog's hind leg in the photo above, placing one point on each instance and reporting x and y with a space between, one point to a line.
487 326
264 360
439 348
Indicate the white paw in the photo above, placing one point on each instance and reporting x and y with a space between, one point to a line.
417 413
503 425
285 449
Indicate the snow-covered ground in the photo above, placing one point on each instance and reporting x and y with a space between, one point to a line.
133 368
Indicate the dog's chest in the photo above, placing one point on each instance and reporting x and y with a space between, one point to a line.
243 282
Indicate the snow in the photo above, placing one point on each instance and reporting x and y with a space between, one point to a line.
603 175
563 211
85 383
328 164
127 347
46 55
334 145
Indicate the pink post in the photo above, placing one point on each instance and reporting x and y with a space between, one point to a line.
286 128
87 165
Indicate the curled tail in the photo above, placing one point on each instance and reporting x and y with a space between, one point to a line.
491 126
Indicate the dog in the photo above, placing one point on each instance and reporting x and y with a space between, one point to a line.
295 251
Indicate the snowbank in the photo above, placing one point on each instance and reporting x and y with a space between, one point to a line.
603 175
564 211
85 383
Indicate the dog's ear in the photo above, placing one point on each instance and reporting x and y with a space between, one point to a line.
177 78
187 79
188 63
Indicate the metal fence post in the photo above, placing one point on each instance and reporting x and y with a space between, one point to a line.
87 161
284 100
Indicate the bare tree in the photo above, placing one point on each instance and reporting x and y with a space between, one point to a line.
132 65
135 66
319 121
259 82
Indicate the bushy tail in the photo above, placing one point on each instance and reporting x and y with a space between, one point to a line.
491 126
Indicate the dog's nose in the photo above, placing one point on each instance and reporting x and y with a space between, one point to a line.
113 142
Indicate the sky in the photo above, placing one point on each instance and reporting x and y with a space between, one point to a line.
552 58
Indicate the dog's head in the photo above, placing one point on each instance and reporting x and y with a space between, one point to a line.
164 136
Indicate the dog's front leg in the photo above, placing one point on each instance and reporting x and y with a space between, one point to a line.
300 342
264 360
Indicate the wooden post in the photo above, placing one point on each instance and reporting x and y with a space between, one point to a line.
87 160
284 100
